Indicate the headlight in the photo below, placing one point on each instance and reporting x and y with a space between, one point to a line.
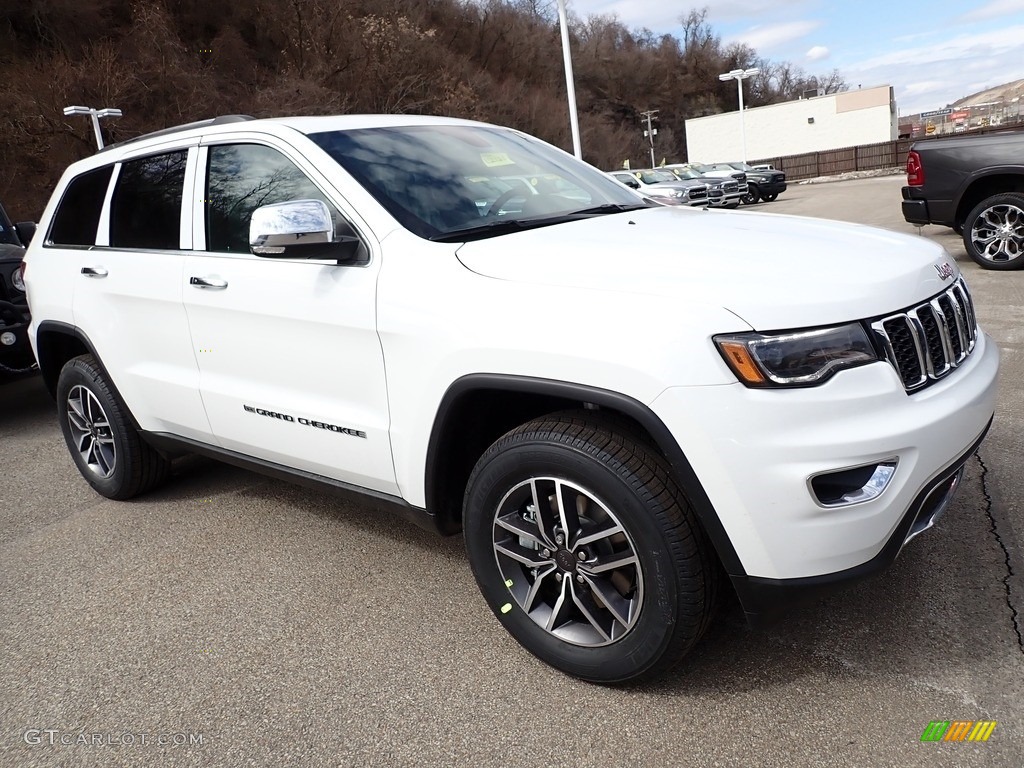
796 359
16 279
678 193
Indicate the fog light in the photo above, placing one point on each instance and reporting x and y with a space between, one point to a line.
853 486
7 339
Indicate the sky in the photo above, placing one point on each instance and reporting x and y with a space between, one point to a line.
932 52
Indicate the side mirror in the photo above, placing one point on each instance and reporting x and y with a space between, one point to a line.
633 184
301 229
25 230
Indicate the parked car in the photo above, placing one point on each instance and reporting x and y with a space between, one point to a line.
722 192
626 408
974 184
764 185
664 187
15 350
715 170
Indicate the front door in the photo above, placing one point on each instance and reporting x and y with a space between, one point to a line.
291 368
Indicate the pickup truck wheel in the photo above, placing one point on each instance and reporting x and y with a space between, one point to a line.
994 232
587 551
104 445
751 196
771 197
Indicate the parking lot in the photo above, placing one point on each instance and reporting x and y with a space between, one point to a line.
229 619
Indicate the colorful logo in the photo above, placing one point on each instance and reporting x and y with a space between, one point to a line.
958 730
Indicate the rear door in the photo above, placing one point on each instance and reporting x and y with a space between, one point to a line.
127 284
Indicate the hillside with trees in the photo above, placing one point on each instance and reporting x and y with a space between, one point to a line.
165 63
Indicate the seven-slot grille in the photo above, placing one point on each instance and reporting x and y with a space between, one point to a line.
926 342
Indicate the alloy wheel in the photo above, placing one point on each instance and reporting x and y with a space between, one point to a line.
998 233
568 561
91 432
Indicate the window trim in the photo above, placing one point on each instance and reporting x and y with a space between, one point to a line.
184 225
310 171
47 241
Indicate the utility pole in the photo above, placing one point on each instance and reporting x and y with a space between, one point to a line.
651 132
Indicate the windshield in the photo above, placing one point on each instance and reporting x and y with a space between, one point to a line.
7 234
656 177
686 173
741 166
441 181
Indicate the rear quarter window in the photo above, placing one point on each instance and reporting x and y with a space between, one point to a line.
78 213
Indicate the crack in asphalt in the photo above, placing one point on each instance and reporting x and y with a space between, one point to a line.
1014 614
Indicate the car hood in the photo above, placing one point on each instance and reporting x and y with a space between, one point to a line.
680 184
774 271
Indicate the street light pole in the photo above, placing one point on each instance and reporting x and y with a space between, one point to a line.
739 75
95 114
570 85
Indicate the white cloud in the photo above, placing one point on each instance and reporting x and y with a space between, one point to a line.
766 37
818 52
994 10
929 76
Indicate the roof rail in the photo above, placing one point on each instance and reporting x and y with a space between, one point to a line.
223 119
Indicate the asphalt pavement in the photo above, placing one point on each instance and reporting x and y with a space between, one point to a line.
233 620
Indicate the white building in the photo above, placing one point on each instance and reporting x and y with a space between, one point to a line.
864 116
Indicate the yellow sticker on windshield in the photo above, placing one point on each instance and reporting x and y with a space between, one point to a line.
495 159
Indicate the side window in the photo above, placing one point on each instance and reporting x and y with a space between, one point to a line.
241 178
145 210
78 214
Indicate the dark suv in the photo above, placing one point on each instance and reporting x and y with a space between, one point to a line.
15 351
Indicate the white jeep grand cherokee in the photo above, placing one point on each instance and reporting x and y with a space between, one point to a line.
622 417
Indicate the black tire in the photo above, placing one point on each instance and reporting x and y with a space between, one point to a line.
993 232
770 197
752 195
667 595
100 435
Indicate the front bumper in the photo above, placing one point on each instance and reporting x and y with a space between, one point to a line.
15 348
726 200
754 451
771 187
764 600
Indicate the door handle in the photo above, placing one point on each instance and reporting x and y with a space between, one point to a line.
94 271
208 282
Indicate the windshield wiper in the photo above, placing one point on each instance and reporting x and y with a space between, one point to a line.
490 229
599 210
505 226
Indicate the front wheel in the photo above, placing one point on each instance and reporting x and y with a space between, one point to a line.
771 197
751 196
587 551
993 232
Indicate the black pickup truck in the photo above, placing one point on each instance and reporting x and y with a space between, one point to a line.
974 184
15 352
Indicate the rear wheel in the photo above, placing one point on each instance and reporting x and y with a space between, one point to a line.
993 232
103 443
587 551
